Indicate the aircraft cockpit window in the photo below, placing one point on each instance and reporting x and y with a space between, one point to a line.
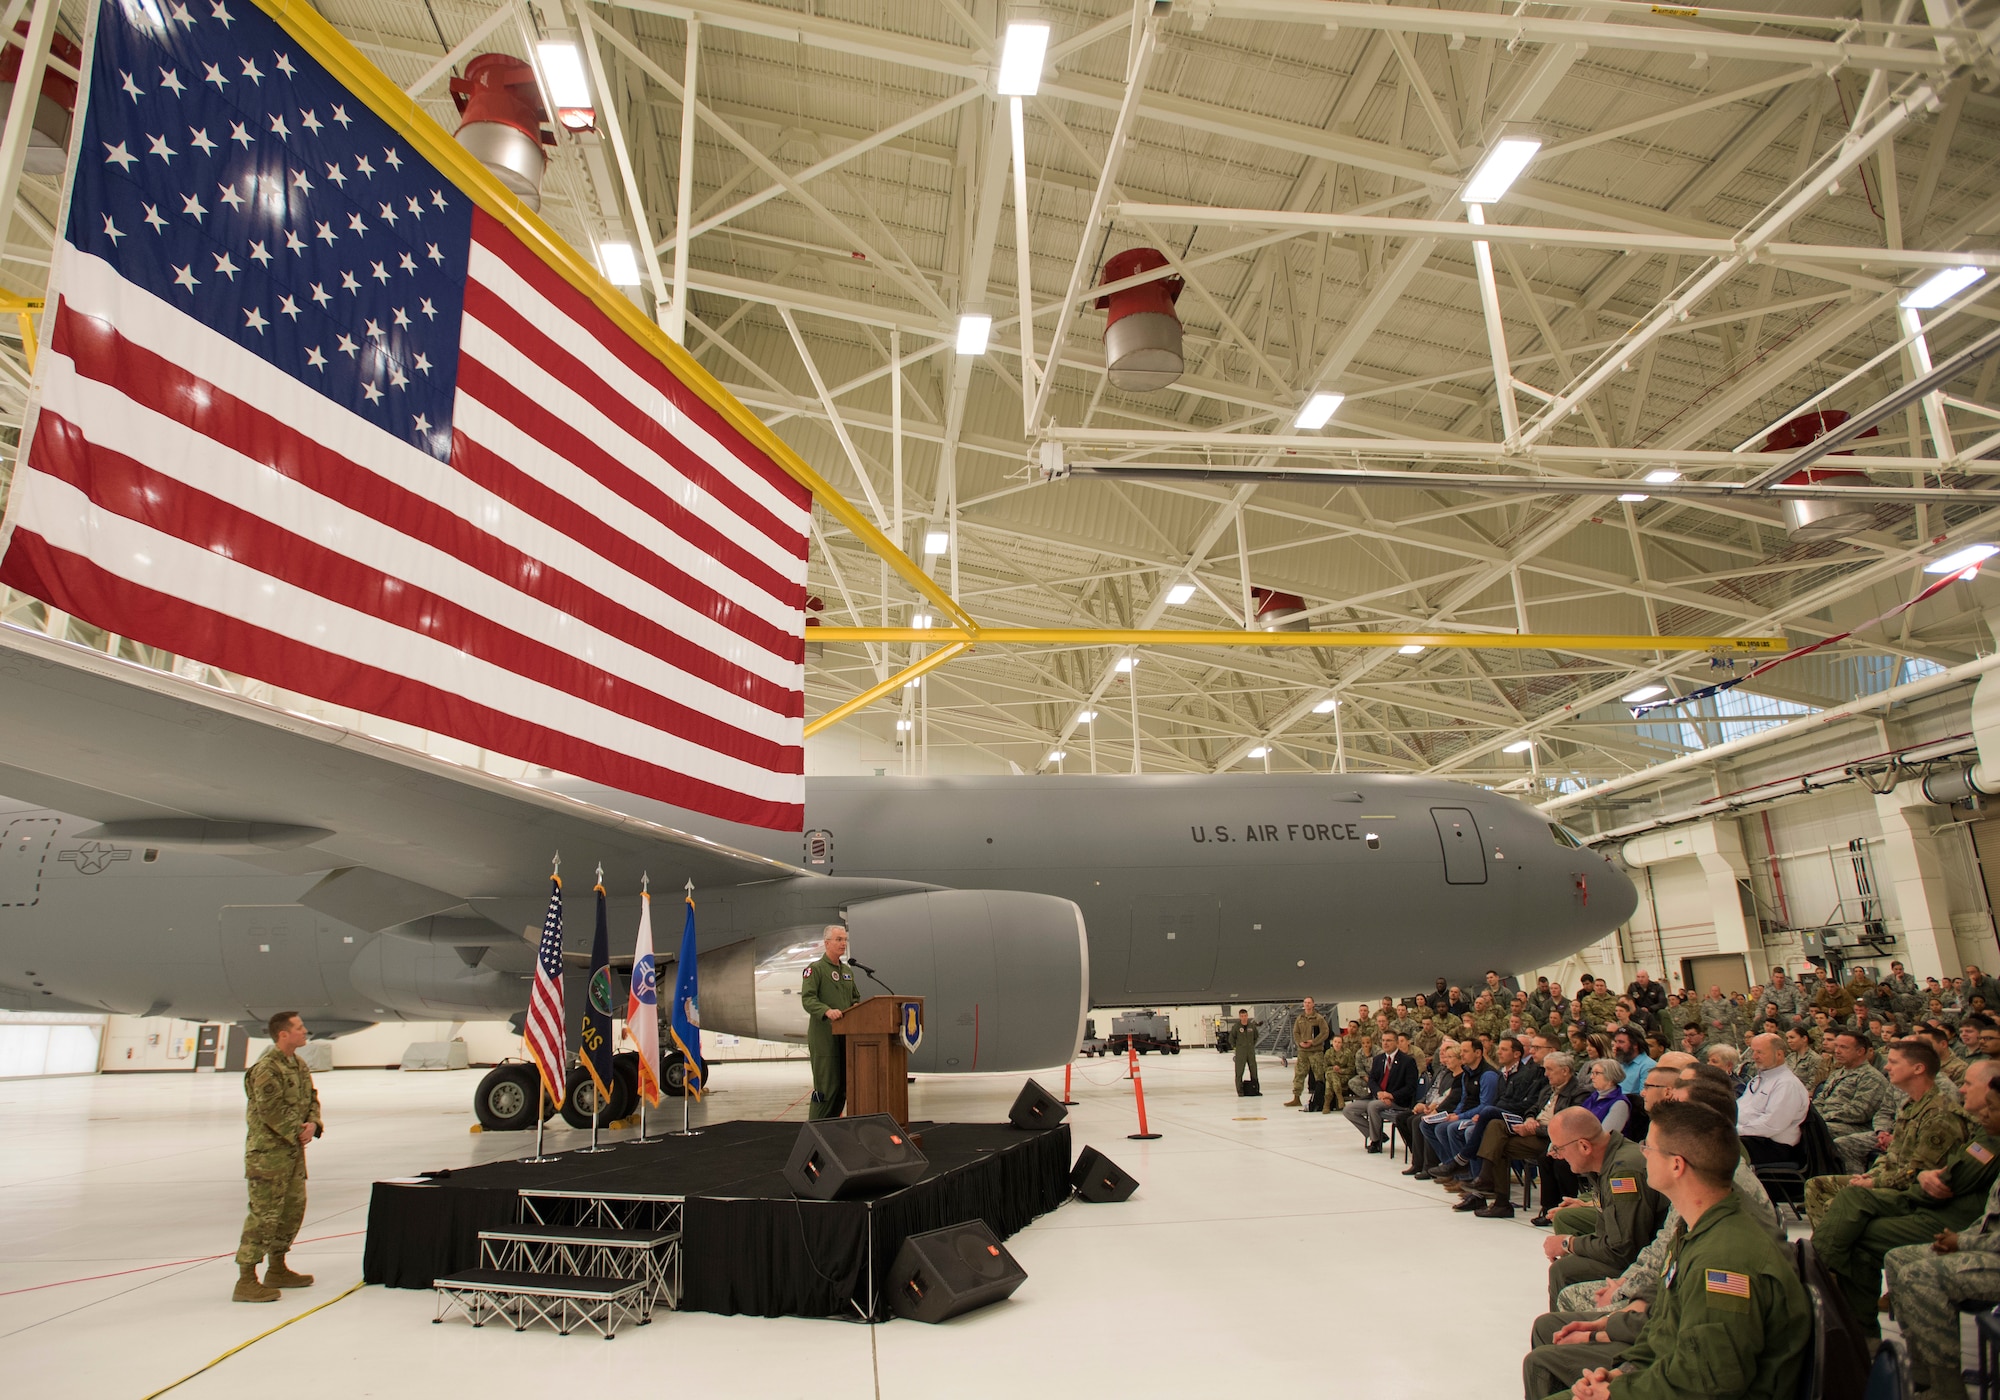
1565 837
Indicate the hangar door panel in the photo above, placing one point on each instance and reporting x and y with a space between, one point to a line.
1174 941
1464 853
270 953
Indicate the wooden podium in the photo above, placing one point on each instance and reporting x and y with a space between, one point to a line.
878 1064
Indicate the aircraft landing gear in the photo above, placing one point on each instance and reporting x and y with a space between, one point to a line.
506 1099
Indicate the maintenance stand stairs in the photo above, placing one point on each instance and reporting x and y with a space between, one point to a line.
592 1274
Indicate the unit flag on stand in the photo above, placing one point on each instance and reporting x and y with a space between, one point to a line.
642 1004
685 1023
324 406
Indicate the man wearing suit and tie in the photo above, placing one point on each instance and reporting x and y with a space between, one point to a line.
1392 1085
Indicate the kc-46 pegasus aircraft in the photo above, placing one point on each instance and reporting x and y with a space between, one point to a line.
172 849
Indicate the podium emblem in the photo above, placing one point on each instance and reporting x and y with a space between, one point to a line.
910 1024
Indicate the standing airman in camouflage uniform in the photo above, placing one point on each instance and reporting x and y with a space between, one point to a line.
282 1116
1309 1033
1855 1099
1781 999
1927 1130
1719 1021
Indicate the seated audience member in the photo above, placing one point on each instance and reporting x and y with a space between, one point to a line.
1628 1211
1527 1140
1805 1061
1855 1099
1478 1087
1730 1319
1927 1130
1606 1100
1862 1228
1521 1091
1931 1282
1437 1092
1391 1087
1773 1107
1618 1307
1628 1048
1729 1060
1656 1045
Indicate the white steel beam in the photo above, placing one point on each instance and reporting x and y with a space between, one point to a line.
684 189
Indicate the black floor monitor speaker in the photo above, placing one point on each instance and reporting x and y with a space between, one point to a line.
1036 1107
839 1157
1100 1180
951 1271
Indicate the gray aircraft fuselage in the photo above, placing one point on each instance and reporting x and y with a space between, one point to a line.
1193 889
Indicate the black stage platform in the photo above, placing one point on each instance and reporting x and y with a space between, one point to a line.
747 1245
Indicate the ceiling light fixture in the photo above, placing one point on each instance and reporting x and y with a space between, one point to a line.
1326 707
1021 59
1663 476
562 69
1058 755
1085 716
1319 408
620 267
1259 752
920 620
1519 746
1634 497
973 333
1411 650
1179 594
1957 562
936 542
1501 168
903 724
1940 287
1643 693
1124 664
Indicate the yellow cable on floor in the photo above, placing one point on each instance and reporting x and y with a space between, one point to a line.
253 1341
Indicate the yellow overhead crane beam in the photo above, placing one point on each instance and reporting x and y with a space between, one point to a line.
952 641
1155 637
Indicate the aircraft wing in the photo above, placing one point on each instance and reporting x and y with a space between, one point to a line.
162 760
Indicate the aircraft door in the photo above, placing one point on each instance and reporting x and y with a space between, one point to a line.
23 858
1464 854
1174 943
270 953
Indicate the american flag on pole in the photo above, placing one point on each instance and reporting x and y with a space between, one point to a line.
545 1032
314 410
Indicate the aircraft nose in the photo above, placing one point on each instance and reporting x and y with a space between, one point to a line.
1621 896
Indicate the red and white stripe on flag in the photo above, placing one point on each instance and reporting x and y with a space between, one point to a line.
545 1031
607 578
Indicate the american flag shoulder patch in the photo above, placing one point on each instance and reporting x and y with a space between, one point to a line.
1978 1153
1724 1281
1624 1185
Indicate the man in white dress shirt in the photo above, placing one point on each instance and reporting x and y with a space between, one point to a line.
1773 1106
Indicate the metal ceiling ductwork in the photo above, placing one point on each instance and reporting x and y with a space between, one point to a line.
1980 778
1142 335
1820 518
503 126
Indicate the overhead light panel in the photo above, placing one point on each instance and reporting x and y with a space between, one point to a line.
913 685
1501 168
1940 287
973 333
1260 751
1961 560
562 69
1663 476
1319 408
1326 707
1411 650
1643 693
1179 594
920 620
1085 716
1021 59
903 724
1058 756
1124 664
1634 497
1519 746
621 268
936 541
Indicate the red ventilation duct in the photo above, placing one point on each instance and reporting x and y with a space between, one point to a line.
1142 335
1279 612
48 129
1820 519
503 126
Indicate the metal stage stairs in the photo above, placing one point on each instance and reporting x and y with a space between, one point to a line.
606 1270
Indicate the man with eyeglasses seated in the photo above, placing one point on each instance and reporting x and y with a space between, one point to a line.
1628 1210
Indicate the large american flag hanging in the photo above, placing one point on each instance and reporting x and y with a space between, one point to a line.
309 414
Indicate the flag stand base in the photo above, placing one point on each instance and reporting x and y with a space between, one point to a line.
541 1121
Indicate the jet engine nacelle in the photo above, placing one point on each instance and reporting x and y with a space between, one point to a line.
1004 975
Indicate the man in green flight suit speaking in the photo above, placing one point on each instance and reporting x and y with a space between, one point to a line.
827 994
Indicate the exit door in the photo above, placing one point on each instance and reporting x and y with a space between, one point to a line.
1464 853
24 852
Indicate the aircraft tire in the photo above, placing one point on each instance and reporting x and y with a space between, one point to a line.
505 1099
580 1099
